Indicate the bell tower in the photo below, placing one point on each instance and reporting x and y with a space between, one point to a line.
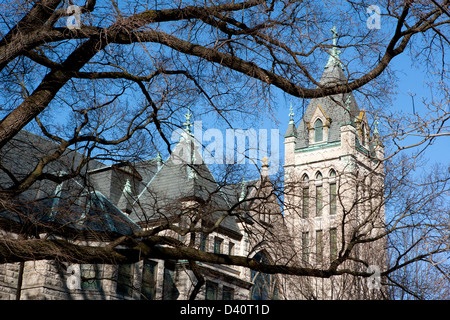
333 182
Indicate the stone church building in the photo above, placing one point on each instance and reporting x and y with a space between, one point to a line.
333 182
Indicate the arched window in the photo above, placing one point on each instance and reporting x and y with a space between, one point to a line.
332 173
319 195
264 285
305 196
318 130
318 175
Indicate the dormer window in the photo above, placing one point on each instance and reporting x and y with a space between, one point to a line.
318 130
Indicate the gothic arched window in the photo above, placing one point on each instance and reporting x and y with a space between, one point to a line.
319 195
318 175
318 130
264 285
305 196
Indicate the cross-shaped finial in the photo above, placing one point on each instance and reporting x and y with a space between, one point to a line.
291 114
376 122
334 51
188 123
335 35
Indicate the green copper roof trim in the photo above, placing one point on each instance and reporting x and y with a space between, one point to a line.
319 147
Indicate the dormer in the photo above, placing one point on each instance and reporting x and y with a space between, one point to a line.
318 126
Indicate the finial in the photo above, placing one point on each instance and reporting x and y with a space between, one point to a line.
159 160
375 124
335 35
291 114
265 168
334 52
188 123
127 188
242 196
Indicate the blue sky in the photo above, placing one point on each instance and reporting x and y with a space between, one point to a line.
411 80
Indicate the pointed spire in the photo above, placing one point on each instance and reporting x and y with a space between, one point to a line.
291 130
291 114
265 167
335 35
243 191
188 124
375 126
334 52
159 160
127 188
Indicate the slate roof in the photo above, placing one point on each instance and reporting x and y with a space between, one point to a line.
70 206
177 181
291 130
158 191
340 108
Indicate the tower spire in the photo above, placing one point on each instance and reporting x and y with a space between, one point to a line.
335 35
334 52
243 193
291 130
375 125
291 114
188 123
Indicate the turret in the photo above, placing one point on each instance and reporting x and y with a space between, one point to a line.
289 139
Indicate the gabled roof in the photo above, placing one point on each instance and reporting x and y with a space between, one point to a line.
182 178
68 207
91 211
340 108
70 210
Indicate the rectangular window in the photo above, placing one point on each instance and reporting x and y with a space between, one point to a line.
305 247
170 291
333 198
319 246
149 280
211 291
125 280
228 293
218 245
203 242
333 244
90 276
305 208
319 204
